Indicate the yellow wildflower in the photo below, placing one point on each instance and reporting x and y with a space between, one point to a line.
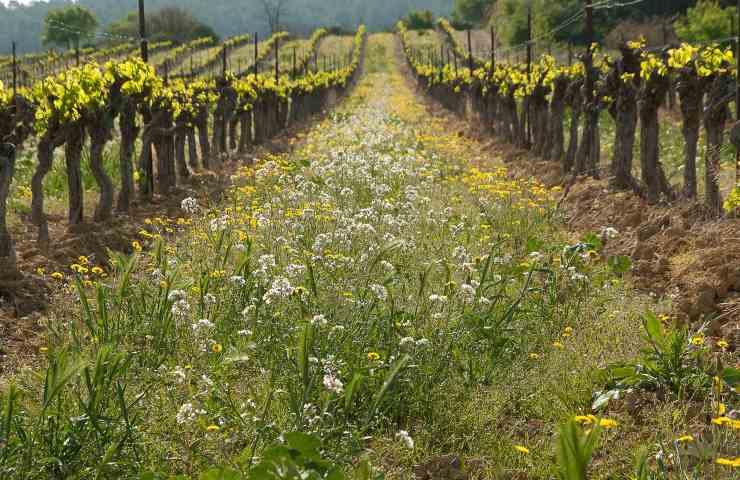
521 449
608 423
729 462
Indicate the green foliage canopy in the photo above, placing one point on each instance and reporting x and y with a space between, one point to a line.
69 26
705 22
168 23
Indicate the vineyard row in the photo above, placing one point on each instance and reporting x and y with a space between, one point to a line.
529 105
129 101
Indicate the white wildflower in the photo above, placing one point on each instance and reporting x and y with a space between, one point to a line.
186 414
333 384
405 438
380 291
189 205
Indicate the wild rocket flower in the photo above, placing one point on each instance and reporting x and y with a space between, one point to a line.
333 384
189 205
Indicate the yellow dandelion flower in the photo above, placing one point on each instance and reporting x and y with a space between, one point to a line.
585 419
721 421
723 344
697 340
558 345
729 462
373 356
217 348
136 246
213 428
685 439
521 449
608 423
57 276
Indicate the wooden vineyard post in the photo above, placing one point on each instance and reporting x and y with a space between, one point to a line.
470 53
277 60
294 63
528 118
737 92
15 72
224 61
142 33
493 48
570 54
256 53
148 184
441 61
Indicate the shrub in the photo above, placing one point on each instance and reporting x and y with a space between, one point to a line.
420 20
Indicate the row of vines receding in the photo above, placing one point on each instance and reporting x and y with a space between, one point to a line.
164 130
546 107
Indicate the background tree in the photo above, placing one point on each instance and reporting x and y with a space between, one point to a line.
705 22
473 12
419 20
274 9
168 23
69 26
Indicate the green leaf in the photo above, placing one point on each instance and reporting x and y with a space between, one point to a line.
534 245
653 327
619 264
389 380
593 240
307 445
351 389
220 474
335 474
731 375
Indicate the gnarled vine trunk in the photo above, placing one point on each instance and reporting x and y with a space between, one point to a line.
625 118
653 175
588 153
7 169
715 117
575 100
245 138
192 148
555 144
129 131
691 93
100 134
539 119
73 158
201 123
48 142
181 164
